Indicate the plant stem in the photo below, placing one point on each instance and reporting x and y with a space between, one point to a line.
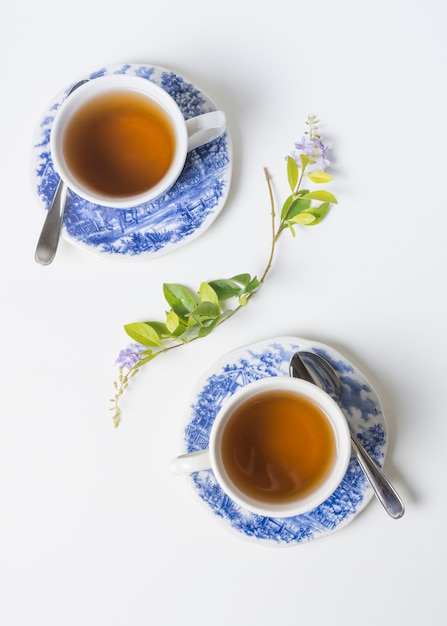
274 234
124 378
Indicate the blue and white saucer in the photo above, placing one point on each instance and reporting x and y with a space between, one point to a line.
153 228
359 403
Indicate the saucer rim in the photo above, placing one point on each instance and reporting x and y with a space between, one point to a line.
297 343
44 124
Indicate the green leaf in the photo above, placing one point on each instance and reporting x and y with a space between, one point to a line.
179 331
253 285
143 333
302 218
191 322
225 289
286 205
190 333
319 213
289 225
179 298
172 321
206 330
292 173
319 177
323 196
298 206
304 161
243 279
160 328
207 294
205 311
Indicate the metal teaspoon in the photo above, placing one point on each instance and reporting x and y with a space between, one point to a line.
49 237
315 369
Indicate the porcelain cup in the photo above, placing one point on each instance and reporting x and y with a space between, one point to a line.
216 459
188 134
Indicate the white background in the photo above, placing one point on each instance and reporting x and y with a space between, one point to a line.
94 529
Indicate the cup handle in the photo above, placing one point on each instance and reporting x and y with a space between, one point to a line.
204 128
192 462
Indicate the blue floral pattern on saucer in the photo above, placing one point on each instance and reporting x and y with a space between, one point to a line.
153 228
359 403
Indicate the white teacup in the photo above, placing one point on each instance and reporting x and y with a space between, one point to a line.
278 447
120 140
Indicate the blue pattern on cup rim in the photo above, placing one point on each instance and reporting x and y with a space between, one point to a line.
154 228
359 403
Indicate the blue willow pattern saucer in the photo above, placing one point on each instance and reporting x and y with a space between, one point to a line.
153 228
359 403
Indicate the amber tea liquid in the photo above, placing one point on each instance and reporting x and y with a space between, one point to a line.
277 447
119 144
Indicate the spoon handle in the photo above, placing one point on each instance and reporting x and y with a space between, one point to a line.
49 237
328 380
385 492
51 230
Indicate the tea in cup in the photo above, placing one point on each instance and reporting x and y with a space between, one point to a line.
120 140
278 447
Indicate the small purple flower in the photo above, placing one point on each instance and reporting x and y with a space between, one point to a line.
306 146
129 356
315 149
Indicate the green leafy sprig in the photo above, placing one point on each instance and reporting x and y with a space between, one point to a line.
194 315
